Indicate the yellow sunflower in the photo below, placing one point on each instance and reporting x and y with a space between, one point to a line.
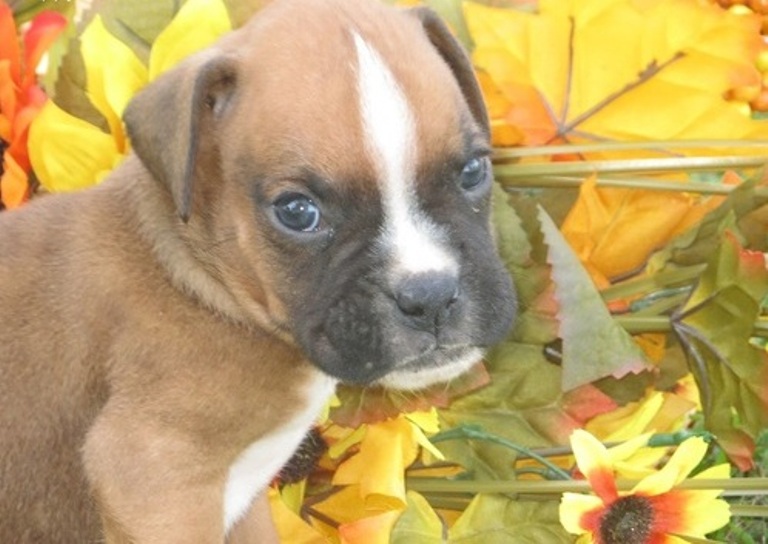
654 511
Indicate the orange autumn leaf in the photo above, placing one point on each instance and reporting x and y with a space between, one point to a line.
613 231
617 69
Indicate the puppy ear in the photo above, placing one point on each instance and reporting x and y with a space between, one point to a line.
167 120
458 61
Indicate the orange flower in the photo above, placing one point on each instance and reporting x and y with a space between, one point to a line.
654 511
20 97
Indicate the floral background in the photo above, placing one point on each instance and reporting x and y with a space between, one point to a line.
630 403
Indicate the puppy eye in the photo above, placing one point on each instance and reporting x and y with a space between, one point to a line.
297 212
473 174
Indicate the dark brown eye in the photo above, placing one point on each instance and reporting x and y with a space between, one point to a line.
474 173
297 212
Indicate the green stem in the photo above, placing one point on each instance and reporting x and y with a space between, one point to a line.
475 432
641 325
730 486
655 145
750 510
662 280
527 173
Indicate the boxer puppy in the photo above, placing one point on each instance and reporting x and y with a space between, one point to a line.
307 202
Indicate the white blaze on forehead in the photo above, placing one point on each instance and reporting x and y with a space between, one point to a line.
390 131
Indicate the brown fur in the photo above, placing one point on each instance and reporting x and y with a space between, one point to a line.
145 341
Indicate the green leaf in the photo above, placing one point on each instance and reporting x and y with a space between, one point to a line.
524 402
714 327
25 10
495 519
418 523
360 405
138 22
697 244
594 345
242 10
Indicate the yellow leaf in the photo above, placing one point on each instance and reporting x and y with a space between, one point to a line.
618 69
370 530
197 25
290 526
379 467
68 153
614 230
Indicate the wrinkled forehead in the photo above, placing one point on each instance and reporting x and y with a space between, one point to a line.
357 96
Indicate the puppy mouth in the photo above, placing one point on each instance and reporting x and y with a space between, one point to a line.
437 365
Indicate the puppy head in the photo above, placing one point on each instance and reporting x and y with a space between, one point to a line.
331 161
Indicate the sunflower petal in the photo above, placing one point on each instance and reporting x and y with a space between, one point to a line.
686 457
198 24
595 463
694 513
66 152
114 75
573 509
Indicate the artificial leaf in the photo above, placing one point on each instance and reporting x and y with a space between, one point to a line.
699 242
613 231
523 402
496 519
714 327
594 345
359 405
386 449
583 70
418 523
290 526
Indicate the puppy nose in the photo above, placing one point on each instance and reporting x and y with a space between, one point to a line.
426 298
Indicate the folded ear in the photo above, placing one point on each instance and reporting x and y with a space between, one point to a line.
171 118
458 61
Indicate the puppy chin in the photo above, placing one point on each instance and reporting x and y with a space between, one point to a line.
438 367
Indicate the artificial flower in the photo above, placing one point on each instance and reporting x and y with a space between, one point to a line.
69 153
20 97
654 511
371 493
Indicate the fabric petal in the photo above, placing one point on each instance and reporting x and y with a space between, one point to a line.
9 45
8 99
68 153
692 513
574 507
114 75
14 183
197 25
594 462
686 457
45 28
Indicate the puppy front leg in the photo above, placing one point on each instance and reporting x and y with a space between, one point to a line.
152 487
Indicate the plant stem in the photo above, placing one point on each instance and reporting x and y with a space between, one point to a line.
654 145
529 174
474 432
730 486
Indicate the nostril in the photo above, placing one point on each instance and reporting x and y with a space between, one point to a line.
427 298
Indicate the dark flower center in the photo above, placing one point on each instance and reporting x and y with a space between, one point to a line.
627 521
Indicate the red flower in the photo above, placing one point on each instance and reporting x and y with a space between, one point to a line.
20 97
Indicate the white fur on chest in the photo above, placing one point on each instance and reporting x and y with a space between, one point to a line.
258 463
